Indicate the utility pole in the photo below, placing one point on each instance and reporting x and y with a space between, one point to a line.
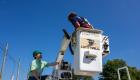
4 60
18 69
12 77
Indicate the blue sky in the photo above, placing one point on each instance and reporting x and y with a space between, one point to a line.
29 25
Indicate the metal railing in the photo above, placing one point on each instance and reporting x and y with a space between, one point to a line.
122 68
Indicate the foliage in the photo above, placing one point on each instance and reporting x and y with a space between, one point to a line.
110 71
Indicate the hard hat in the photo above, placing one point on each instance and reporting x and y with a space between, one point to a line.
36 52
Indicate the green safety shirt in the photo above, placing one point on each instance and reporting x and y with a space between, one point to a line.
38 65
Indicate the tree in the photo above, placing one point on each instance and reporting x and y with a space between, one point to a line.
110 71
135 73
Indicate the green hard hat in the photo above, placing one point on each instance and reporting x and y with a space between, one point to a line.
36 52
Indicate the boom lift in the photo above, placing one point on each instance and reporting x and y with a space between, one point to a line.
88 46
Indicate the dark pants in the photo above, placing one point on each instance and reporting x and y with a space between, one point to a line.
42 78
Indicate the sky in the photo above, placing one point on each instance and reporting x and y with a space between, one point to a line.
29 25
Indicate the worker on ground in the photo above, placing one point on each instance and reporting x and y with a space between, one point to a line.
37 66
78 21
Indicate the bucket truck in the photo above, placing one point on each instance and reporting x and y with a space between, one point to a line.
88 46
